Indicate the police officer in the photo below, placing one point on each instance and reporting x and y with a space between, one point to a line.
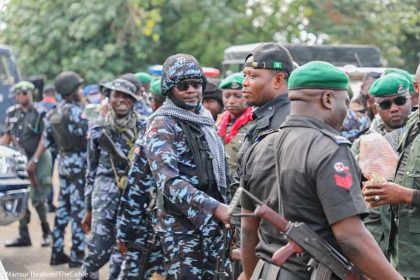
212 98
319 185
142 106
393 107
66 129
187 161
156 97
400 199
136 238
266 72
24 125
235 121
105 178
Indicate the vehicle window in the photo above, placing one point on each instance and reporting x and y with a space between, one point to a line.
6 77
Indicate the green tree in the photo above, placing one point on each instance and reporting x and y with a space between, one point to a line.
99 38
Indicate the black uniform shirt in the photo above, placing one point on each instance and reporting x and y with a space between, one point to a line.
25 127
318 177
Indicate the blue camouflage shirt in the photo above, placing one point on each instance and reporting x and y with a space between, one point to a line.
98 158
170 159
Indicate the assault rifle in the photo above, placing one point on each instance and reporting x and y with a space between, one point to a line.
301 238
116 154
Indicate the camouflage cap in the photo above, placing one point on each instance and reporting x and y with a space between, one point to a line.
123 86
390 84
180 67
233 81
23 85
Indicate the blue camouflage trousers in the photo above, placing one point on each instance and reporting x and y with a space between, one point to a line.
133 263
193 256
70 207
101 245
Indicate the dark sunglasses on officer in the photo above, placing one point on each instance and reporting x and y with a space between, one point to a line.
22 92
185 85
399 101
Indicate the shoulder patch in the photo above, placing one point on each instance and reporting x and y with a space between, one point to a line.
263 134
12 108
338 139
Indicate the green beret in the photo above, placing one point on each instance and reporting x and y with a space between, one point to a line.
404 73
390 84
155 87
23 85
233 81
318 75
143 77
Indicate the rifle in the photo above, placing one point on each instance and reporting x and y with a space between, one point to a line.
301 238
106 142
221 273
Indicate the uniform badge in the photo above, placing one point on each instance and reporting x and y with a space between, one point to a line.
343 177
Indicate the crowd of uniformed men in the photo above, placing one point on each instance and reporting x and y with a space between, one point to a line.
148 165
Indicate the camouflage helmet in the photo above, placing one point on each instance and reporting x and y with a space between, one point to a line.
66 82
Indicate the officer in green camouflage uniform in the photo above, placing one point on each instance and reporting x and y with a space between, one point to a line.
401 198
392 126
24 125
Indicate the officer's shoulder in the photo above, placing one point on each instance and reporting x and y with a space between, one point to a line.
98 124
12 109
264 134
338 139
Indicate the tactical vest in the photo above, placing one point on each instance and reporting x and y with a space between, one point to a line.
27 129
65 141
200 150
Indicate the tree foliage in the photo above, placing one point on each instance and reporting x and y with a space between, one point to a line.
103 38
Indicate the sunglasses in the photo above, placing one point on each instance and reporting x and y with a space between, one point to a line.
185 85
399 101
22 92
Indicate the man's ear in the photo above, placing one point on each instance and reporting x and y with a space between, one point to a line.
278 80
327 99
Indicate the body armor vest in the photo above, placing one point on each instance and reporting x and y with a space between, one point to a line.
200 150
65 141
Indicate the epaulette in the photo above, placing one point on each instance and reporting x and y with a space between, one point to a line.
12 108
264 133
338 139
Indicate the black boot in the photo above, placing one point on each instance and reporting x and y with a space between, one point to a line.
59 258
19 242
22 241
46 235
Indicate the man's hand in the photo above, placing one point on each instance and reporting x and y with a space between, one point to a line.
377 194
30 168
87 221
222 214
242 276
122 247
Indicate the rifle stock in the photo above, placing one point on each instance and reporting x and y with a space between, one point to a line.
302 238
106 142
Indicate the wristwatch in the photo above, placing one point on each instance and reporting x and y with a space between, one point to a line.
35 160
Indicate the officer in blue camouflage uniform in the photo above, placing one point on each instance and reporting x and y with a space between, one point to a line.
106 177
191 177
136 237
24 124
65 129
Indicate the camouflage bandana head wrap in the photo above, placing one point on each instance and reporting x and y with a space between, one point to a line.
180 67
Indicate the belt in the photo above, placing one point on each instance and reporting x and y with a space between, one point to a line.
267 271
